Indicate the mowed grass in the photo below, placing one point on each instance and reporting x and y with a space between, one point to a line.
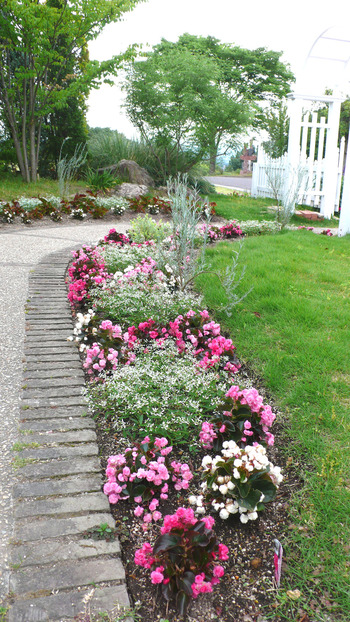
13 187
293 331
244 207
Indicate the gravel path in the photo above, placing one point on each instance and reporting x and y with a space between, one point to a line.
20 251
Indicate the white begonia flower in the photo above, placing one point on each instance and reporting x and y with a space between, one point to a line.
223 489
252 515
237 462
232 507
262 497
244 518
216 506
236 474
204 485
220 479
214 486
200 509
206 461
70 338
250 467
94 331
230 485
224 514
192 500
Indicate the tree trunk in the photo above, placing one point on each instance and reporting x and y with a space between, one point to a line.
212 160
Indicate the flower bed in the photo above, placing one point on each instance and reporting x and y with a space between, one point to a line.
171 378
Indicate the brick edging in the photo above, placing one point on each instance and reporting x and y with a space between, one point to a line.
58 492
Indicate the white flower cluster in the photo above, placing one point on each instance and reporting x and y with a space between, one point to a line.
117 205
245 460
119 258
160 390
78 330
255 227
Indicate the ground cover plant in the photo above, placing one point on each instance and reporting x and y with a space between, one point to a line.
293 332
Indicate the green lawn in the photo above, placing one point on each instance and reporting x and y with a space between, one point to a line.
13 187
244 207
293 331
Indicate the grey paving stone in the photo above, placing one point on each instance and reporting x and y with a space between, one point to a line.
55 468
55 550
54 411
57 527
58 486
67 575
36 335
74 400
62 451
65 606
46 348
71 423
55 438
47 383
48 366
51 358
51 392
74 504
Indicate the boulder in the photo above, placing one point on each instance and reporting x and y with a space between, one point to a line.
130 191
131 172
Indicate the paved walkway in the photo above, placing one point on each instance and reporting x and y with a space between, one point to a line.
53 493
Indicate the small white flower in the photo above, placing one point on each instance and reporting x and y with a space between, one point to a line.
223 489
244 518
236 474
252 515
192 500
224 514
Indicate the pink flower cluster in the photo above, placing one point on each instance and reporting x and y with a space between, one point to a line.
231 230
102 356
258 423
146 463
185 528
146 268
87 270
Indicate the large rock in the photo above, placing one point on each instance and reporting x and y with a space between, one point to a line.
131 172
130 191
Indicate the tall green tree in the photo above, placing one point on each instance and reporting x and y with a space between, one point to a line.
38 75
201 93
276 122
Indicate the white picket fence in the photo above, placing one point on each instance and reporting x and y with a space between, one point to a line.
310 130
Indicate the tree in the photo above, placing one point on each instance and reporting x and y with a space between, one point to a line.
38 75
204 91
66 122
276 123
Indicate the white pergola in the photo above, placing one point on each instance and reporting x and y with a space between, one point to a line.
327 67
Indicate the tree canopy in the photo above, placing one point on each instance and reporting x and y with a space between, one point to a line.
41 48
199 94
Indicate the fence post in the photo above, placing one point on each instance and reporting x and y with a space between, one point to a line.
344 220
331 160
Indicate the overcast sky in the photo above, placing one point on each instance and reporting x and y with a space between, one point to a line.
290 27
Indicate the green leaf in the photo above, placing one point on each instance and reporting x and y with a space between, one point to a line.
182 602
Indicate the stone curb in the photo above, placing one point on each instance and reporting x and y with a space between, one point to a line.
58 494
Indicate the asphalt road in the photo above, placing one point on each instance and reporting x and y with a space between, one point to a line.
244 183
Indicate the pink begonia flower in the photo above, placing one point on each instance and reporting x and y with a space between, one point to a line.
156 515
147 518
154 503
113 499
223 552
157 577
208 521
218 571
138 511
233 392
138 499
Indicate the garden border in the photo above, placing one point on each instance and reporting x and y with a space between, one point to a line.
58 493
